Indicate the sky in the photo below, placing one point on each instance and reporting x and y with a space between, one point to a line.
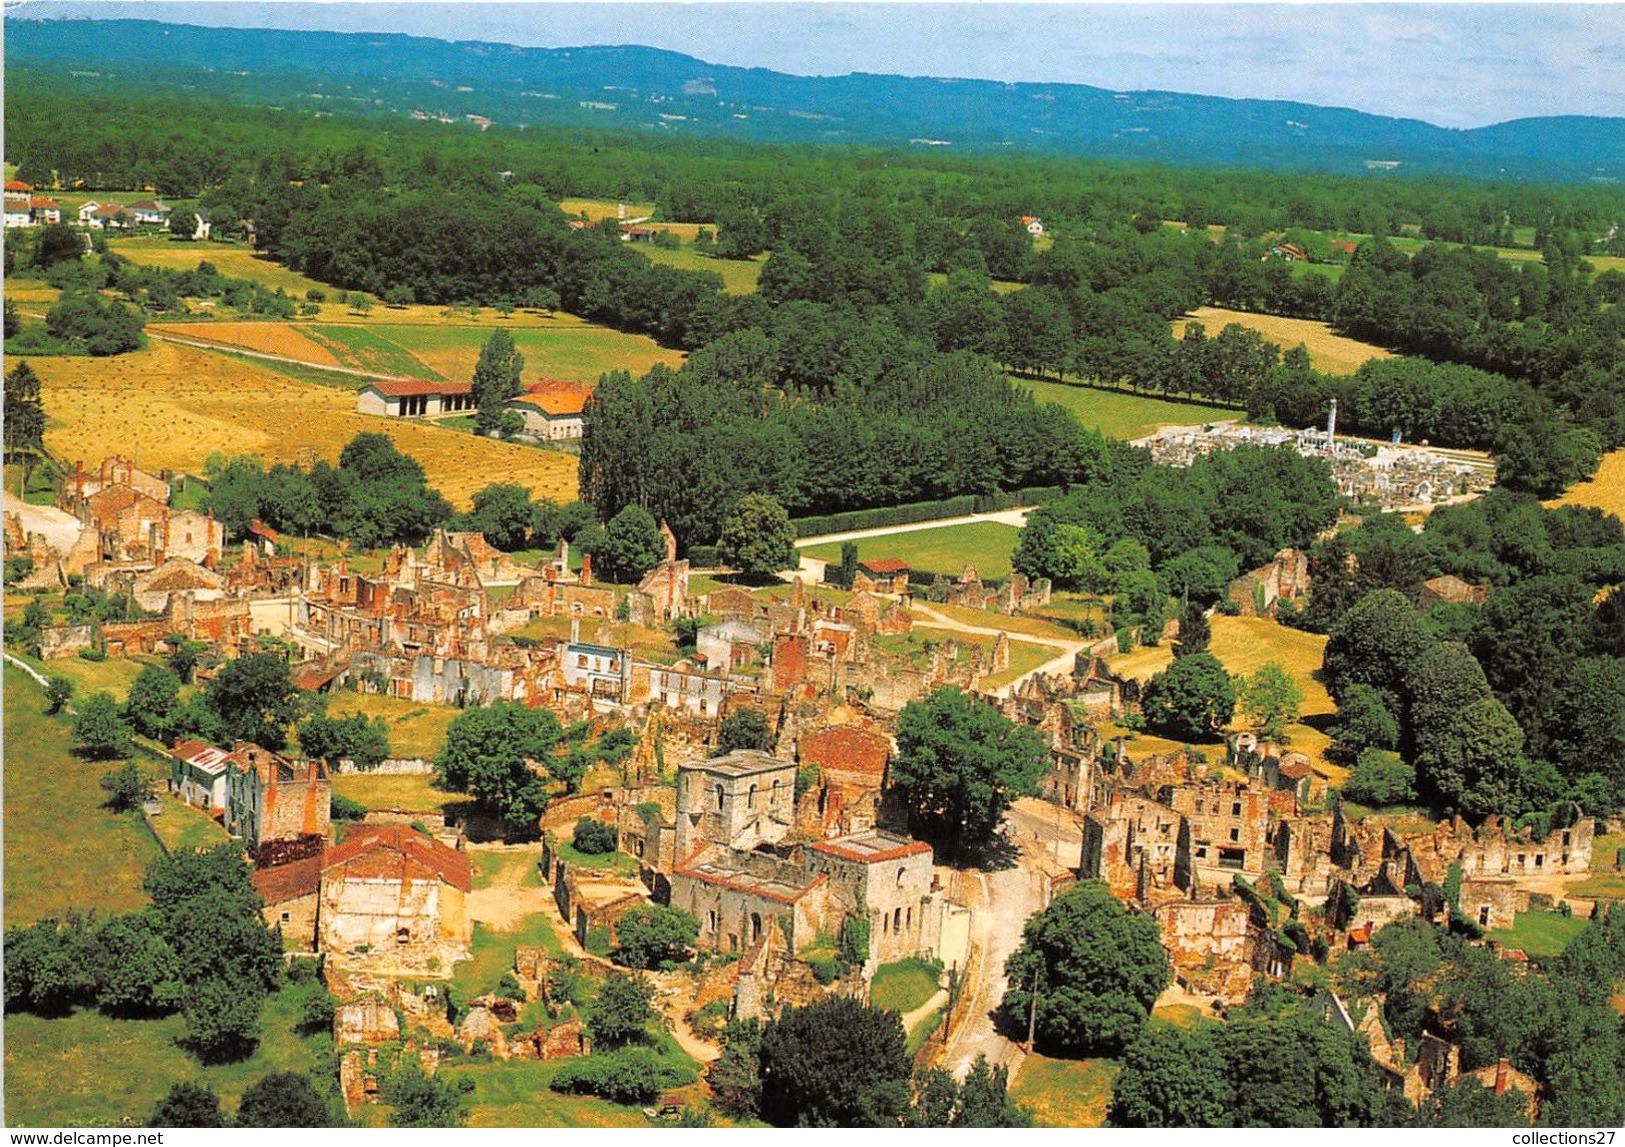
1456 65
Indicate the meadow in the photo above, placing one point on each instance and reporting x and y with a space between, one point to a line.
1120 414
739 276
176 405
236 260
63 850
1540 933
90 1070
416 729
1065 1092
945 549
1328 352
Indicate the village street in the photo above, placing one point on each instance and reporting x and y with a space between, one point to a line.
1048 840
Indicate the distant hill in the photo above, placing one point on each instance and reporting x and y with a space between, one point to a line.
672 94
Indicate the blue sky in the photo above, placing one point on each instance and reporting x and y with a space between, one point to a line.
1459 65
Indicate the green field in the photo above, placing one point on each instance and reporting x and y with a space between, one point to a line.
88 1070
234 259
62 849
1000 286
1119 414
945 549
903 986
1540 933
567 348
365 348
739 276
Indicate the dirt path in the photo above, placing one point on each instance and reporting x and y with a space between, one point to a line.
1061 663
1016 517
506 902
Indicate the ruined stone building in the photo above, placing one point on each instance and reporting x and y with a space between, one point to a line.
1132 844
851 760
392 890
1259 592
270 798
1225 831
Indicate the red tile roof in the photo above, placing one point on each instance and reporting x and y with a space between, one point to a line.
397 852
260 529
865 856
289 881
409 387
884 566
556 398
18 185
44 202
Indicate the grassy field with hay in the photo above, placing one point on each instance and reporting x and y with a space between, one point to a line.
261 337
237 260
1119 414
1328 352
1065 1092
177 405
560 346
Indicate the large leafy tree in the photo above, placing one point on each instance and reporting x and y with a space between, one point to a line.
255 699
959 765
489 753
420 1100
1094 969
99 729
621 1013
356 738
757 538
505 514
496 379
154 702
1191 700
1271 699
834 1063
1172 1078
630 547
188 1105
24 414
651 935
745 729
1376 644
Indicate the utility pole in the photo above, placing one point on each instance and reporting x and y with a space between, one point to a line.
1032 1008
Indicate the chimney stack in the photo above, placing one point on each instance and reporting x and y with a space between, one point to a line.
586 569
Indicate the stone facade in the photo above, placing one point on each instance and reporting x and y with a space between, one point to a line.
393 892
270 798
1259 592
738 801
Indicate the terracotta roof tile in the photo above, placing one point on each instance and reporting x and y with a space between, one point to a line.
397 852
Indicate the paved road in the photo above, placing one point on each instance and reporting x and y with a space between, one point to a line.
1016 517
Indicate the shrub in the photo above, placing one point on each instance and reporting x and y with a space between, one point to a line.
343 808
91 653
631 1075
594 837
826 968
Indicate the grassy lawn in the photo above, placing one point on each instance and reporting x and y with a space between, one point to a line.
922 1031
903 986
1119 414
617 861
1540 933
1244 644
115 675
1024 658
514 1093
493 953
739 276
62 849
1065 1092
1000 286
183 828
88 1070
412 793
987 619
415 729
237 261
1074 607
945 549
1178 1015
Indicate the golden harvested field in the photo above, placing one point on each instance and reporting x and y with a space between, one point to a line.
266 338
603 208
234 259
1606 491
180 404
558 346
1328 352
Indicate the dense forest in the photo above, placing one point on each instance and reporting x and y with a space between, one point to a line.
835 385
